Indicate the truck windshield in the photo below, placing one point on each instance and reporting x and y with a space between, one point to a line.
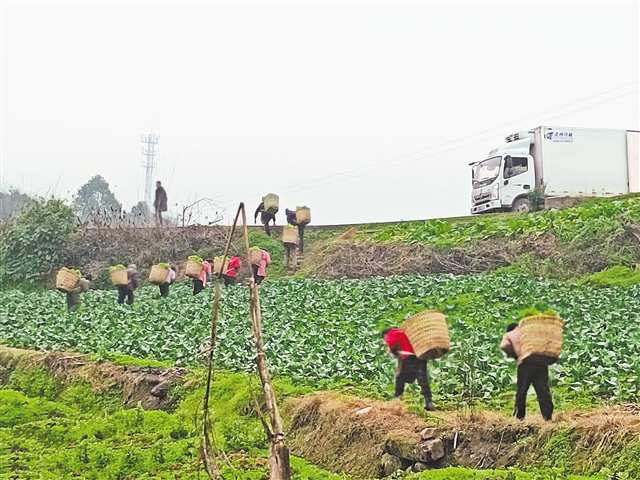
486 171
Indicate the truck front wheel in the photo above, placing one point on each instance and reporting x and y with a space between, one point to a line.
521 205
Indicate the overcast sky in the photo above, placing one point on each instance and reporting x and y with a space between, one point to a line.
365 111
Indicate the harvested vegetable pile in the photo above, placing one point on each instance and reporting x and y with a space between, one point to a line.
326 333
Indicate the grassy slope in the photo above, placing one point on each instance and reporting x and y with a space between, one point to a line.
48 430
610 224
51 430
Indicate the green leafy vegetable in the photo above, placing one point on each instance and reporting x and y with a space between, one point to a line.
322 332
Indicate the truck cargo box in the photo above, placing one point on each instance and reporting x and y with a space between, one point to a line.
583 161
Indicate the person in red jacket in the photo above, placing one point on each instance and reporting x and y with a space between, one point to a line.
410 367
233 267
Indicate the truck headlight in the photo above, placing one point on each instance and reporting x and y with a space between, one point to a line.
495 192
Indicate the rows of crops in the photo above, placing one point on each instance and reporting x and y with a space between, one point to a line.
593 219
323 332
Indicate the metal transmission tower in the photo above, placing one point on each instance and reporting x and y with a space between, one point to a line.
149 162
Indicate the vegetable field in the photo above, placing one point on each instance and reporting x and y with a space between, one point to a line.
326 333
593 219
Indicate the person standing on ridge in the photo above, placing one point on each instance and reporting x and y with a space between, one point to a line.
410 368
265 218
530 372
160 202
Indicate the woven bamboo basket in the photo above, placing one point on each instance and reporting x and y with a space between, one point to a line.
303 215
217 263
255 256
193 269
290 235
428 333
119 277
541 337
158 274
66 280
271 203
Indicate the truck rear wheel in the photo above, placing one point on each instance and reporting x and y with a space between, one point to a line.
521 205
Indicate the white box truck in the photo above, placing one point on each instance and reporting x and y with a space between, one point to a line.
559 161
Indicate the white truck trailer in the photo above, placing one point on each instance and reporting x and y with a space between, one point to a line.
559 161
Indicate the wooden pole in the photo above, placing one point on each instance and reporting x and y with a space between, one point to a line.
208 451
279 464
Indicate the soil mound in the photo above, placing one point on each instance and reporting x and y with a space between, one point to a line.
358 259
148 387
364 259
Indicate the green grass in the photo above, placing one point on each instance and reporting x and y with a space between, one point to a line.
121 359
77 433
616 276
72 432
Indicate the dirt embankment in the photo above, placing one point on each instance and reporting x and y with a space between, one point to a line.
345 258
147 386
95 249
333 252
371 439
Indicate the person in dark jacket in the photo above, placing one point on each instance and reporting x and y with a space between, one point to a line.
293 221
530 372
73 297
265 218
160 202
410 368
171 278
126 291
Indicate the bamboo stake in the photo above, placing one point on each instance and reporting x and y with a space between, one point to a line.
279 465
208 452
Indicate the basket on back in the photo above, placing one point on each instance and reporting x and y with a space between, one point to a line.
217 264
119 275
541 338
193 268
290 235
428 333
303 215
67 280
255 255
271 203
158 274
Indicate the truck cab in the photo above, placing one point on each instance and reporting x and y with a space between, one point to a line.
504 180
